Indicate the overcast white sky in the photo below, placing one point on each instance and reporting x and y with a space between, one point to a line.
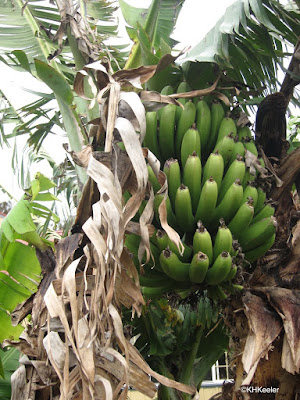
195 20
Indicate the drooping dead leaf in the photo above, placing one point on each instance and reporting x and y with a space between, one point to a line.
264 327
77 329
137 76
162 211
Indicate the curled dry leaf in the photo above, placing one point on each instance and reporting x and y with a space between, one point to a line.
162 211
153 101
152 160
222 97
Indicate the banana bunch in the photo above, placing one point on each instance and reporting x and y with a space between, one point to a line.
214 203
207 262
204 313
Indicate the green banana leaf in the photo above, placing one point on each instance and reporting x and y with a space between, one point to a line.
211 349
158 23
9 361
19 267
19 277
249 41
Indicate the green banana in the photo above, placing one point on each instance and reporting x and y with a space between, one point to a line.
242 218
219 270
194 318
202 241
154 280
160 239
174 178
266 211
231 287
187 253
166 168
208 312
183 209
250 146
153 179
203 123
248 178
215 292
217 114
132 242
223 240
214 167
225 148
157 292
190 144
192 172
201 317
198 267
227 127
229 204
185 122
173 267
257 252
243 132
257 233
261 198
236 248
151 138
215 312
187 320
166 91
250 191
238 149
183 87
166 136
207 202
232 273
235 171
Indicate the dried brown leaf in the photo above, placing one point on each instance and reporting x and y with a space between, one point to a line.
196 93
264 326
137 115
137 76
287 304
137 359
153 101
18 382
128 293
162 211
152 160
222 97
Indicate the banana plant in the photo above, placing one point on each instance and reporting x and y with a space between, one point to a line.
19 237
